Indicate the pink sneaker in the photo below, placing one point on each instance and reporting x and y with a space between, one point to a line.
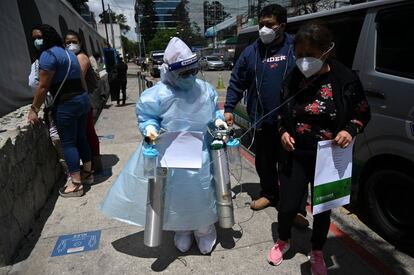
275 256
318 266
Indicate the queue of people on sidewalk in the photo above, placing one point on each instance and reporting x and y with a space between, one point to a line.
62 77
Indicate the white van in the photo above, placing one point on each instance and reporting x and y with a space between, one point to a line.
376 40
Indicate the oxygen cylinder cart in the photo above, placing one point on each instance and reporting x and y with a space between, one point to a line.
155 199
222 178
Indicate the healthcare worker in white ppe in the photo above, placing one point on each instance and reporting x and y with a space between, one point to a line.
179 102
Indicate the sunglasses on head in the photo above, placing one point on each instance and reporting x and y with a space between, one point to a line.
186 74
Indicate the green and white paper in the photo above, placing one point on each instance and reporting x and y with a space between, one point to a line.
333 171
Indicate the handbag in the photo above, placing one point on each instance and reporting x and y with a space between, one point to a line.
50 99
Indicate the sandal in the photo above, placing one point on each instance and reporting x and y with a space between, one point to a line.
87 177
77 192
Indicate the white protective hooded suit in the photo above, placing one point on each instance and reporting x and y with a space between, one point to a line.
189 194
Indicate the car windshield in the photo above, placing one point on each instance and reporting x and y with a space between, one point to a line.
213 58
157 56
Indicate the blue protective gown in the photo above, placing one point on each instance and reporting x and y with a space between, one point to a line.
190 201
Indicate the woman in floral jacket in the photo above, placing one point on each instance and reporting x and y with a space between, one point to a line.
328 104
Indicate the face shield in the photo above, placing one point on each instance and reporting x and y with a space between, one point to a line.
182 74
181 66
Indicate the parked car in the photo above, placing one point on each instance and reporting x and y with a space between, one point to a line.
155 62
211 62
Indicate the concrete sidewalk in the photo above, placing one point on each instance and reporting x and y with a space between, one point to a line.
242 250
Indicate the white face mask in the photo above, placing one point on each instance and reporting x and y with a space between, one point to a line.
75 48
38 43
311 65
267 35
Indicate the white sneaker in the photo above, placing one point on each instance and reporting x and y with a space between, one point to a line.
183 240
206 238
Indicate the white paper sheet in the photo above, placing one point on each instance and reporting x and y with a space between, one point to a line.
333 170
180 149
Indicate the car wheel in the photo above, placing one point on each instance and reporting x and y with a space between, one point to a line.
389 194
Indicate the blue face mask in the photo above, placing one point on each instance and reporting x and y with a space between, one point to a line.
186 83
38 43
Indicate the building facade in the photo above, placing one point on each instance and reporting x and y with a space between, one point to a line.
86 14
164 12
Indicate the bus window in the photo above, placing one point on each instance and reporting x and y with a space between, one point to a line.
395 42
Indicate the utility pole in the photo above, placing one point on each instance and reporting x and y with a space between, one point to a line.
112 27
106 29
214 28
139 33
139 38
143 46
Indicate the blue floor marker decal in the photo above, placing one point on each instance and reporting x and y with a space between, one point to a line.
80 242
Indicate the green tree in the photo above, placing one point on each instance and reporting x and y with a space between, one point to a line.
148 18
116 18
181 14
214 13
196 38
122 21
161 39
186 31
130 47
300 7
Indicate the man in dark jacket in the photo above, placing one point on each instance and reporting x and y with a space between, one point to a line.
260 70
122 69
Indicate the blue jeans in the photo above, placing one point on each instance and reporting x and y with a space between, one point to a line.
70 117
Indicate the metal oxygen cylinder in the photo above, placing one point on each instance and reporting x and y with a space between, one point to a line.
155 198
222 180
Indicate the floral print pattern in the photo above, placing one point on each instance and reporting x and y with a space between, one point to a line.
315 114
315 108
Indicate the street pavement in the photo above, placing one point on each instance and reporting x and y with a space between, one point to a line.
352 248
